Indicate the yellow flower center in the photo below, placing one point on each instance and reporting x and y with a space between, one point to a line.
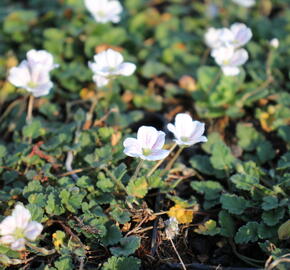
32 84
19 233
184 139
146 151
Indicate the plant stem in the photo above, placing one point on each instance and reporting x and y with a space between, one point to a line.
247 260
160 162
138 168
43 251
29 109
181 261
115 180
170 164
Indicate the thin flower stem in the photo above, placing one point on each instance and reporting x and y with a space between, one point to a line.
160 162
43 251
181 261
29 109
115 180
170 164
139 166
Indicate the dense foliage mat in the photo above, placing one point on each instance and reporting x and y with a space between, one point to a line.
230 195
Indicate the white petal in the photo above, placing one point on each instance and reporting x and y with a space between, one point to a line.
171 128
18 245
157 155
8 225
160 141
239 58
242 34
127 69
184 125
19 76
100 80
245 3
42 90
42 58
22 216
114 58
198 131
230 71
132 147
147 136
33 230
7 239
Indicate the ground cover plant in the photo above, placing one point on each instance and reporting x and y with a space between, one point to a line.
145 134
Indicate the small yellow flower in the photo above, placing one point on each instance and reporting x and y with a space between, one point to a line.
182 215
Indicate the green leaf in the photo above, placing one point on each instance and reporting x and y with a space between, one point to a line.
36 212
284 231
233 203
266 232
284 162
120 215
273 216
112 236
3 151
206 76
138 187
128 245
64 263
210 189
153 68
222 158
72 199
265 151
247 233
53 207
284 133
33 130
208 228
122 263
270 202
227 224
248 137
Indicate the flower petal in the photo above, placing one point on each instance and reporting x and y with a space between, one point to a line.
8 225
157 155
22 216
147 136
33 230
132 148
184 125
7 239
19 76
18 245
160 141
127 69
230 70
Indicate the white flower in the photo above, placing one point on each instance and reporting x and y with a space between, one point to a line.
42 58
274 43
235 36
148 145
245 3
17 229
100 80
230 59
186 131
171 229
109 64
240 35
105 10
212 38
33 74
